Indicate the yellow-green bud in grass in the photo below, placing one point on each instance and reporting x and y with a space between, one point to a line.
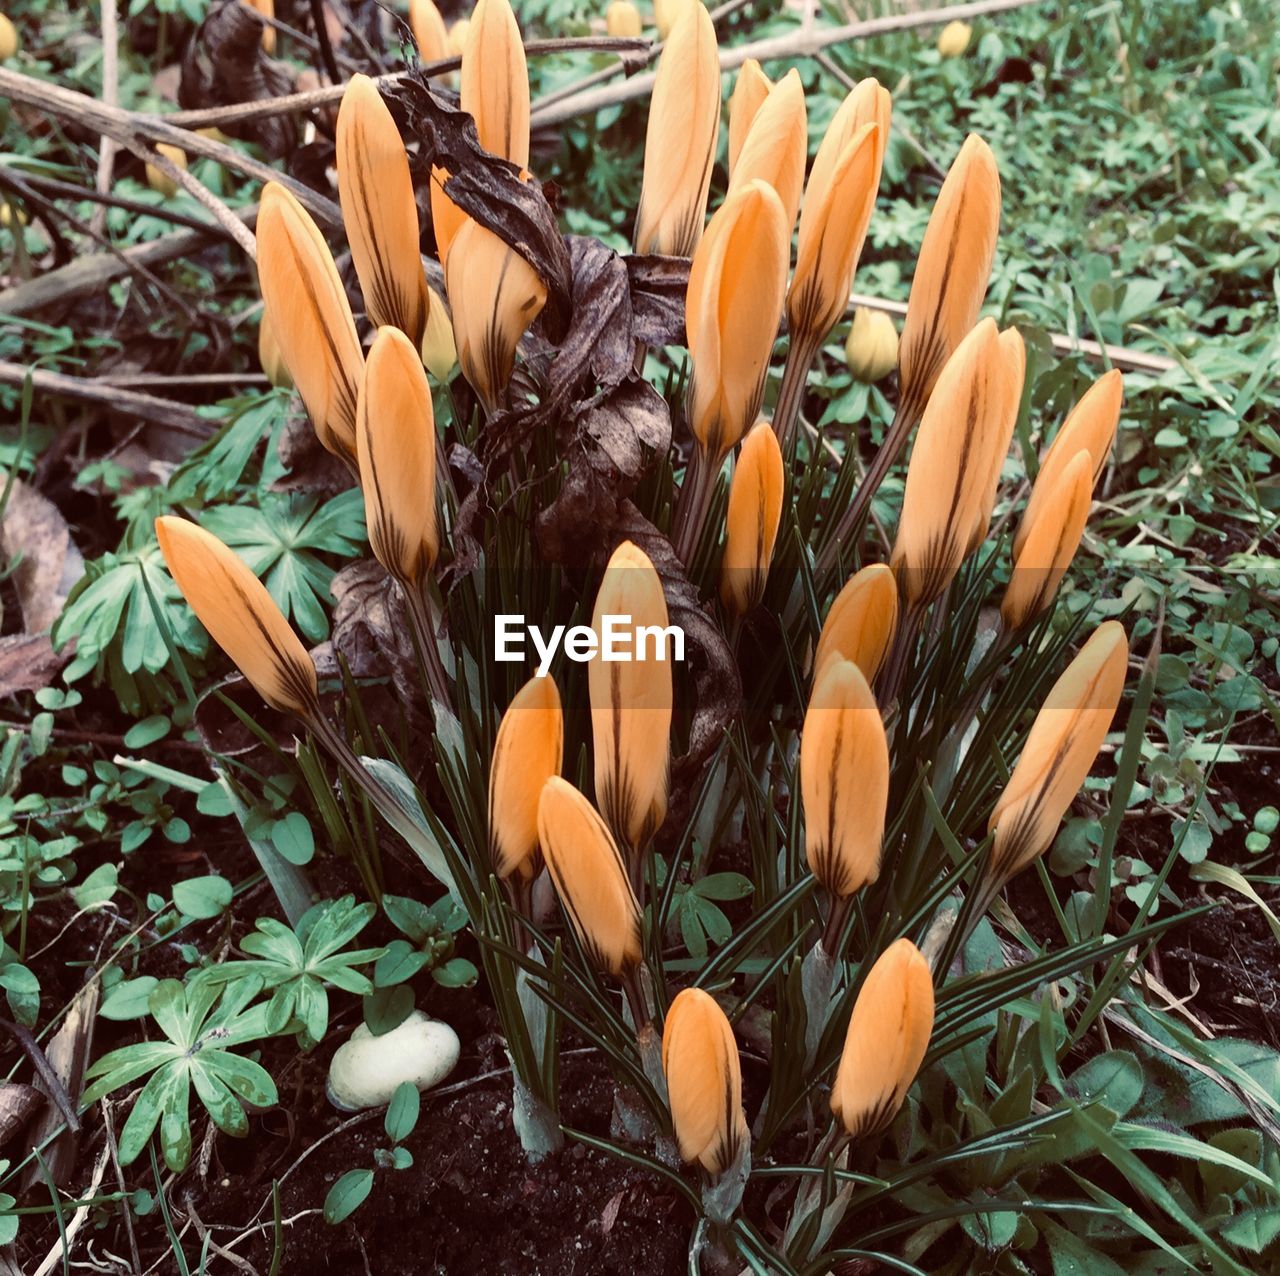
871 349
8 38
622 19
954 39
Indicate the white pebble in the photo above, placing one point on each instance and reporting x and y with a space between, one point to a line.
366 1069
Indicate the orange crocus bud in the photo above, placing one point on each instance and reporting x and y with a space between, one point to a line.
755 509
888 1035
429 32
861 622
777 145
749 92
495 81
1059 752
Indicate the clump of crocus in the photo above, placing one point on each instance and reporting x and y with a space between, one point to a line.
622 19
631 702
704 1082
528 751
379 211
955 463
888 1035
751 524
776 145
590 878
839 199
1059 752
160 181
954 39
871 349
750 89
429 32
312 320
242 617
680 144
861 622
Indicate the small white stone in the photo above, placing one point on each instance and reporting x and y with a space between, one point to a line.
366 1069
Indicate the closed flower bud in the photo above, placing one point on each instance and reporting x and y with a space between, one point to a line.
844 779
439 354
732 309
680 144
458 37
429 32
1050 543
269 356
526 754
313 323
838 203
268 10
157 178
952 271
495 81
861 622
954 38
1013 360
494 295
8 38
1091 426
888 1035
751 524
704 1081
749 92
379 211
622 19
631 699
949 478
1059 752
240 615
871 349
396 446
777 145
589 877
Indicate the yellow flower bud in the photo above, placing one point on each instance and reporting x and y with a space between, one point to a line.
1091 426
751 524
871 349
666 13
838 203
11 216
396 446
159 180
1050 544
1060 750
888 1035
631 699
494 295
439 354
680 143
240 615
527 753
949 478
495 81
458 37
268 10
749 92
952 271
379 211
8 38
312 320
269 355
704 1081
622 19
861 622
954 38
589 876
732 309
844 779
429 32
777 145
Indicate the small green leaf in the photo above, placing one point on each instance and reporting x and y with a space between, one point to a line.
146 732
347 1195
402 1112
128 999
202 897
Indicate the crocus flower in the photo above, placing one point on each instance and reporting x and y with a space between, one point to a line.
751 524
622 19
1060 750
749 92
439 354
631 699
396 448
888 1035
429 32
526 754
242 617
844 779
704 1081
311 318
379 211
680 144
590 879
777 145
861 622
871 348
495 81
